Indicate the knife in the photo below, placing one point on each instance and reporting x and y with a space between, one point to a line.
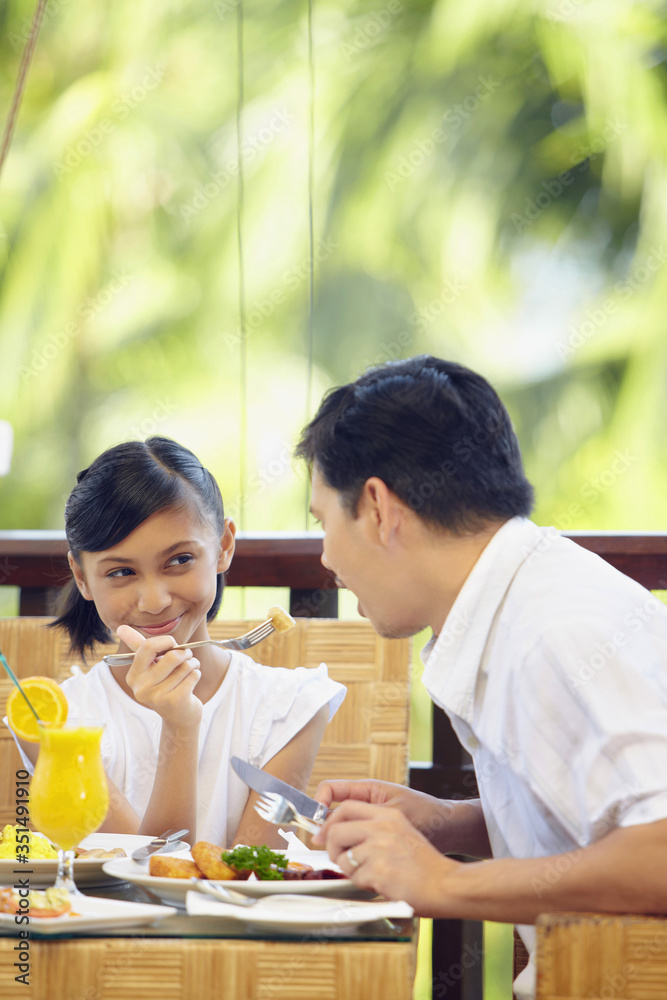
160 846
260 781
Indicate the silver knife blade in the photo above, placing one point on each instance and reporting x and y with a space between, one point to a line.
142 853
260 781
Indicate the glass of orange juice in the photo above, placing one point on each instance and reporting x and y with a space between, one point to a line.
69 795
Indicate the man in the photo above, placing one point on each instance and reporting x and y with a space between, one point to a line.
551 665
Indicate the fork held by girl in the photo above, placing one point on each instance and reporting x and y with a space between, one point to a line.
149 544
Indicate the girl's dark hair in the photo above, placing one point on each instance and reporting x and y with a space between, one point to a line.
124 486
435 432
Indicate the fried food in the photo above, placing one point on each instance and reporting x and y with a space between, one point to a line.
166 867
99 852
209 861
281 621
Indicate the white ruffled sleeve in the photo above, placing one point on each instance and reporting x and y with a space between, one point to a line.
289 700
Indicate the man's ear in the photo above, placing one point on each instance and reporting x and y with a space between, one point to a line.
79 578
227 546
382 507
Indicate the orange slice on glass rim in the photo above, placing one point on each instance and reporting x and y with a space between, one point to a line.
48 700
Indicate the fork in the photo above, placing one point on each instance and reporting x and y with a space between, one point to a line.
250 638
277 809
222 893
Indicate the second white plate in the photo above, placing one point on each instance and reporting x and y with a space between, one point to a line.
92 914
87 871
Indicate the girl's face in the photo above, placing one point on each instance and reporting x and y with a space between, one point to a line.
161 579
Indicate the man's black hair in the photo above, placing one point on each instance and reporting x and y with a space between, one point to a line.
434 431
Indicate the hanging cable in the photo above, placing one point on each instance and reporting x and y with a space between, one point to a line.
311 230
20 83
243 346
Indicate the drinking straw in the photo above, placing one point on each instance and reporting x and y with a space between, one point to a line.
15 679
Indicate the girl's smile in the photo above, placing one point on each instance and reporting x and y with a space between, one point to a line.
164 628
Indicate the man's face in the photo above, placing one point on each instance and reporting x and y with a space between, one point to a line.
354 553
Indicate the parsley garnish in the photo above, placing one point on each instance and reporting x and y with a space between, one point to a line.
264 862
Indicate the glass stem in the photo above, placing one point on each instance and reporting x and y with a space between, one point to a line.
65 876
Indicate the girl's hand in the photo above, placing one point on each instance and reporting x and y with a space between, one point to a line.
165 682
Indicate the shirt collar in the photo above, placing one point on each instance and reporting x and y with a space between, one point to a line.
453 659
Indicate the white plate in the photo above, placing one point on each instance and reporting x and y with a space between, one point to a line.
87 871
295 914
173 890
92 914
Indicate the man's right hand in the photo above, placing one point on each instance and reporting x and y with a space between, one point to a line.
453 827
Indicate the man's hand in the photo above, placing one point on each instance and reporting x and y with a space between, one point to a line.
454 827
162 680
379 849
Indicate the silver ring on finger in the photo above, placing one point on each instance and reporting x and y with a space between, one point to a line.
351 858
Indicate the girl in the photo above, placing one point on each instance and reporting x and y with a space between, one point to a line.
149 544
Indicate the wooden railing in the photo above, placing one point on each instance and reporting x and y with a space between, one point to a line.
36 563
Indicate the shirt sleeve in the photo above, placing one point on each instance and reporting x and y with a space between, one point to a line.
289 700
592 729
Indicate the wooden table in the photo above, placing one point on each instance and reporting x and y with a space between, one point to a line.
199 958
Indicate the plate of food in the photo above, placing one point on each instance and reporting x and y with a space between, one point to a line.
254 871
92 853
54 912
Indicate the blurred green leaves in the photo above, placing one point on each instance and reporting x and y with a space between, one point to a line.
489 185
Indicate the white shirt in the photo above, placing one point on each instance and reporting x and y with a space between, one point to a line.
551 667
254 713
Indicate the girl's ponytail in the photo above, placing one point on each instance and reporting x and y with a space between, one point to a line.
80 620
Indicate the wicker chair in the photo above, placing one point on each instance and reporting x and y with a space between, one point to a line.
368 736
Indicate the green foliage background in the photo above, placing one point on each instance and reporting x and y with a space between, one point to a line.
489 184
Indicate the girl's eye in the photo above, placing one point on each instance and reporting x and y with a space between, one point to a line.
181 560
117 573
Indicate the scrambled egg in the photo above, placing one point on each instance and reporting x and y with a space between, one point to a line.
39 847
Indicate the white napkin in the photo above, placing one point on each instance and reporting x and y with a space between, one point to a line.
321 911
294 845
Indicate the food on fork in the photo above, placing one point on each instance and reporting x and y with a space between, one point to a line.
35 848
42 903
163 866
48 700
281 621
